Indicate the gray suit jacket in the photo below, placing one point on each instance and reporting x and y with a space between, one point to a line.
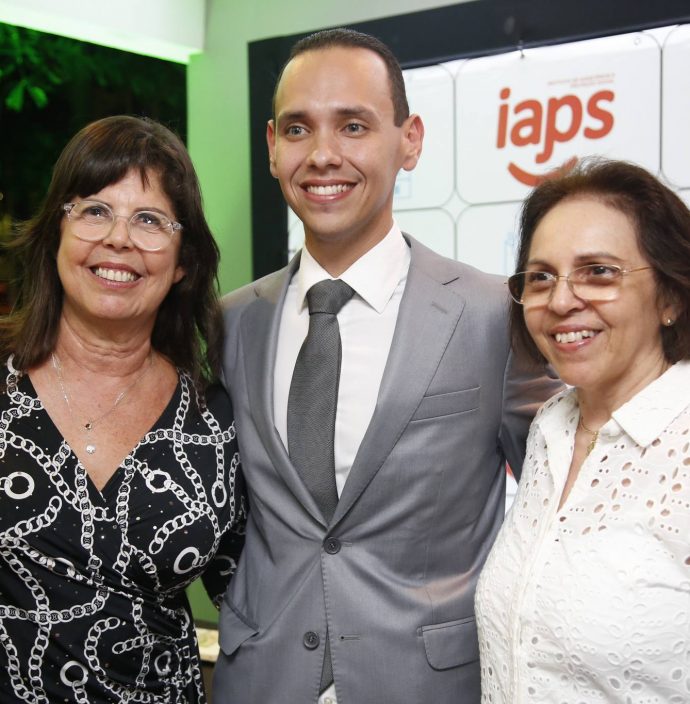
392 576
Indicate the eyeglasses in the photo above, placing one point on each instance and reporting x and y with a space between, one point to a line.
592 282
93 221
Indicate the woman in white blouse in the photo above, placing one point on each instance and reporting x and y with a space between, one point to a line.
585 597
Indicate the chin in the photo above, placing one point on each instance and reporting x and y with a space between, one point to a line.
575 377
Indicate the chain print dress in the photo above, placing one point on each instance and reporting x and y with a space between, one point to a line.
92 583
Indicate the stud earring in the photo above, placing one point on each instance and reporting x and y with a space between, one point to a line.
669 322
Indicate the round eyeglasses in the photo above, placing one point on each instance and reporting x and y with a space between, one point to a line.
93 221
592 282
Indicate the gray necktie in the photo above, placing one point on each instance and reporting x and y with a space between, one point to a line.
312 405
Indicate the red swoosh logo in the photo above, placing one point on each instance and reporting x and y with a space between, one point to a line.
532 180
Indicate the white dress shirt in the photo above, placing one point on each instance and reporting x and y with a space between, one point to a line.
590 604
367 323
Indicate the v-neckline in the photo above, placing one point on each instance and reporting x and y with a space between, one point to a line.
107 488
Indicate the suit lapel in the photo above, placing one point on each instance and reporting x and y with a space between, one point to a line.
259 329
428 315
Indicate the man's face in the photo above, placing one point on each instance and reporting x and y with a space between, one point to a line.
335 148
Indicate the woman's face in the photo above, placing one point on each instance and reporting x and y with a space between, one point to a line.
615 348
112 280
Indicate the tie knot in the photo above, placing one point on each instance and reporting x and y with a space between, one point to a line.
328 296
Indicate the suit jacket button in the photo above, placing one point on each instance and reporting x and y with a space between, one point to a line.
331 545
311 640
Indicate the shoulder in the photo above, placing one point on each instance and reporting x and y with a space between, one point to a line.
268 287
483 298
241 296
557 407
454 273
218 400
213 401
11 377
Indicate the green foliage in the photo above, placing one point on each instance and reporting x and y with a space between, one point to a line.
26 70
52 86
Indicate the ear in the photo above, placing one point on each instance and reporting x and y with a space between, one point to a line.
413 136
271 141
670 310
179 274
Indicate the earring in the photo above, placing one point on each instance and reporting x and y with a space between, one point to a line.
669 322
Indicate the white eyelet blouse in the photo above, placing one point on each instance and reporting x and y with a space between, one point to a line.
591 603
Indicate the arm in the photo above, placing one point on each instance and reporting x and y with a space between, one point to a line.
217 575
526 386
232 512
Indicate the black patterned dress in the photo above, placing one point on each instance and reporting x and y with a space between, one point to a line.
92 583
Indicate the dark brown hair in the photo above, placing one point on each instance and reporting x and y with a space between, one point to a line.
188 327
350 39
662 224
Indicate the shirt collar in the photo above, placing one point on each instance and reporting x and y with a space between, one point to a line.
644 417
374 276
558 413
654 408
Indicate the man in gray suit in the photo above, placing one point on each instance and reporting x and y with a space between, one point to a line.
368 598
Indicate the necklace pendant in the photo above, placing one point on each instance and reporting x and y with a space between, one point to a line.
592 443
91 449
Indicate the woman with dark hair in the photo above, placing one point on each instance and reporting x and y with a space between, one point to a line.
119 471
585 596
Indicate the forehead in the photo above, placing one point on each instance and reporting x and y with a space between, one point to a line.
333 77
585 225
143 187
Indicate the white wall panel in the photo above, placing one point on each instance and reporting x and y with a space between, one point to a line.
433 228
430 93
520 115
675 143
486 236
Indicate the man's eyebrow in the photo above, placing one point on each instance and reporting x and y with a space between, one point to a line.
291 116
342 111
356 111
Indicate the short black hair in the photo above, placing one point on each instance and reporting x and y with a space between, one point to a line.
350 39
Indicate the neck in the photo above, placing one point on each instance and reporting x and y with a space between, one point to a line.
115 355
597 405
336 256
593 415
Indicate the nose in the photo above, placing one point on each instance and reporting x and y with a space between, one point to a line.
324 151
562 299
118 236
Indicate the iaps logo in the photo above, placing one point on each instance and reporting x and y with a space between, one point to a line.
543 124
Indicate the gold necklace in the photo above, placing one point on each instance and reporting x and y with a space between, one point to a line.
90 424
593 433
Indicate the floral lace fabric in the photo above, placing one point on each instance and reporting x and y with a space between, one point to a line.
591 603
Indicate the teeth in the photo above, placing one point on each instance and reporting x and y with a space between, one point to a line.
329 190
115 274
574 336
